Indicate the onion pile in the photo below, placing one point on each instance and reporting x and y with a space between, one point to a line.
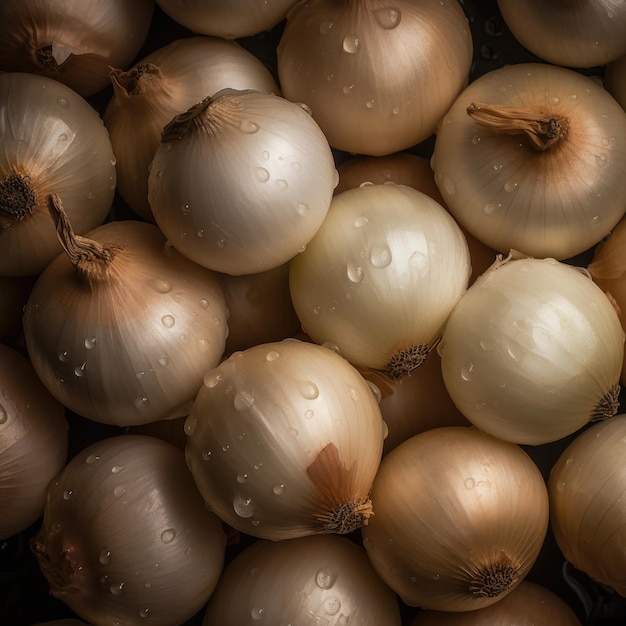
321 324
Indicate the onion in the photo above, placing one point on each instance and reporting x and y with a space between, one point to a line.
259 308
33 442
126 538
530 157
460 519
53 142
608 271
587 489
74 41
121 328
377 78
529 604
575 33
242 181
229 19
284 440
533 351
163 84
615 80
323 579
381 276
15 291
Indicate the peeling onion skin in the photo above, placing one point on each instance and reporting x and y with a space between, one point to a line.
556 202
126 538
483 499
377 78
529 604
325 579
587 487
130 345
74 42
33 442
53 141
533 351
284 440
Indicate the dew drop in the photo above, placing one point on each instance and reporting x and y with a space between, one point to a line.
160 285
242 478
360 222
249 127
278 489
309 414
395 110
243 401
225 448
380 255
272 355
560 485
64 356
476 140
354 272
569 461
436 576
325 27
119 491
595 220
351 44
387 18
116 469
256 614
142 402
206 455
491 209
332 605
488 345
317 310
369 104
469 483
168 535
104 557
67 494
261 174
92 458
243 506
190 425
302 209
63 102
163 361
80 370
325 578
117 589
144 613
3 415
347 89
221 243
467 372
293 432
309 390
168 321
63 137
510 186
601 159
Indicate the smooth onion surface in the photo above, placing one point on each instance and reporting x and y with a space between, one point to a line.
380 277
33 442
587 489
53 141
74 41
460 519
323 579
126 341
529 604
126 538
533 351
558 201
574 33
284 440
242 181
378 78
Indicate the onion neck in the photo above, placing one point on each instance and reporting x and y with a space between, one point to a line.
494 579
405 361
17 199
142 80
91 259
543 130
44 58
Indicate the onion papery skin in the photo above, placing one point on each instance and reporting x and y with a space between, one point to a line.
615 80
381 276
284 440
587 487
54 142
574 33
85 38
126 538
229 19
608 271
163 84
378 79
325 579
529 604
460 519
259 308
533 351
33 442
131 346
241 182
557 202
